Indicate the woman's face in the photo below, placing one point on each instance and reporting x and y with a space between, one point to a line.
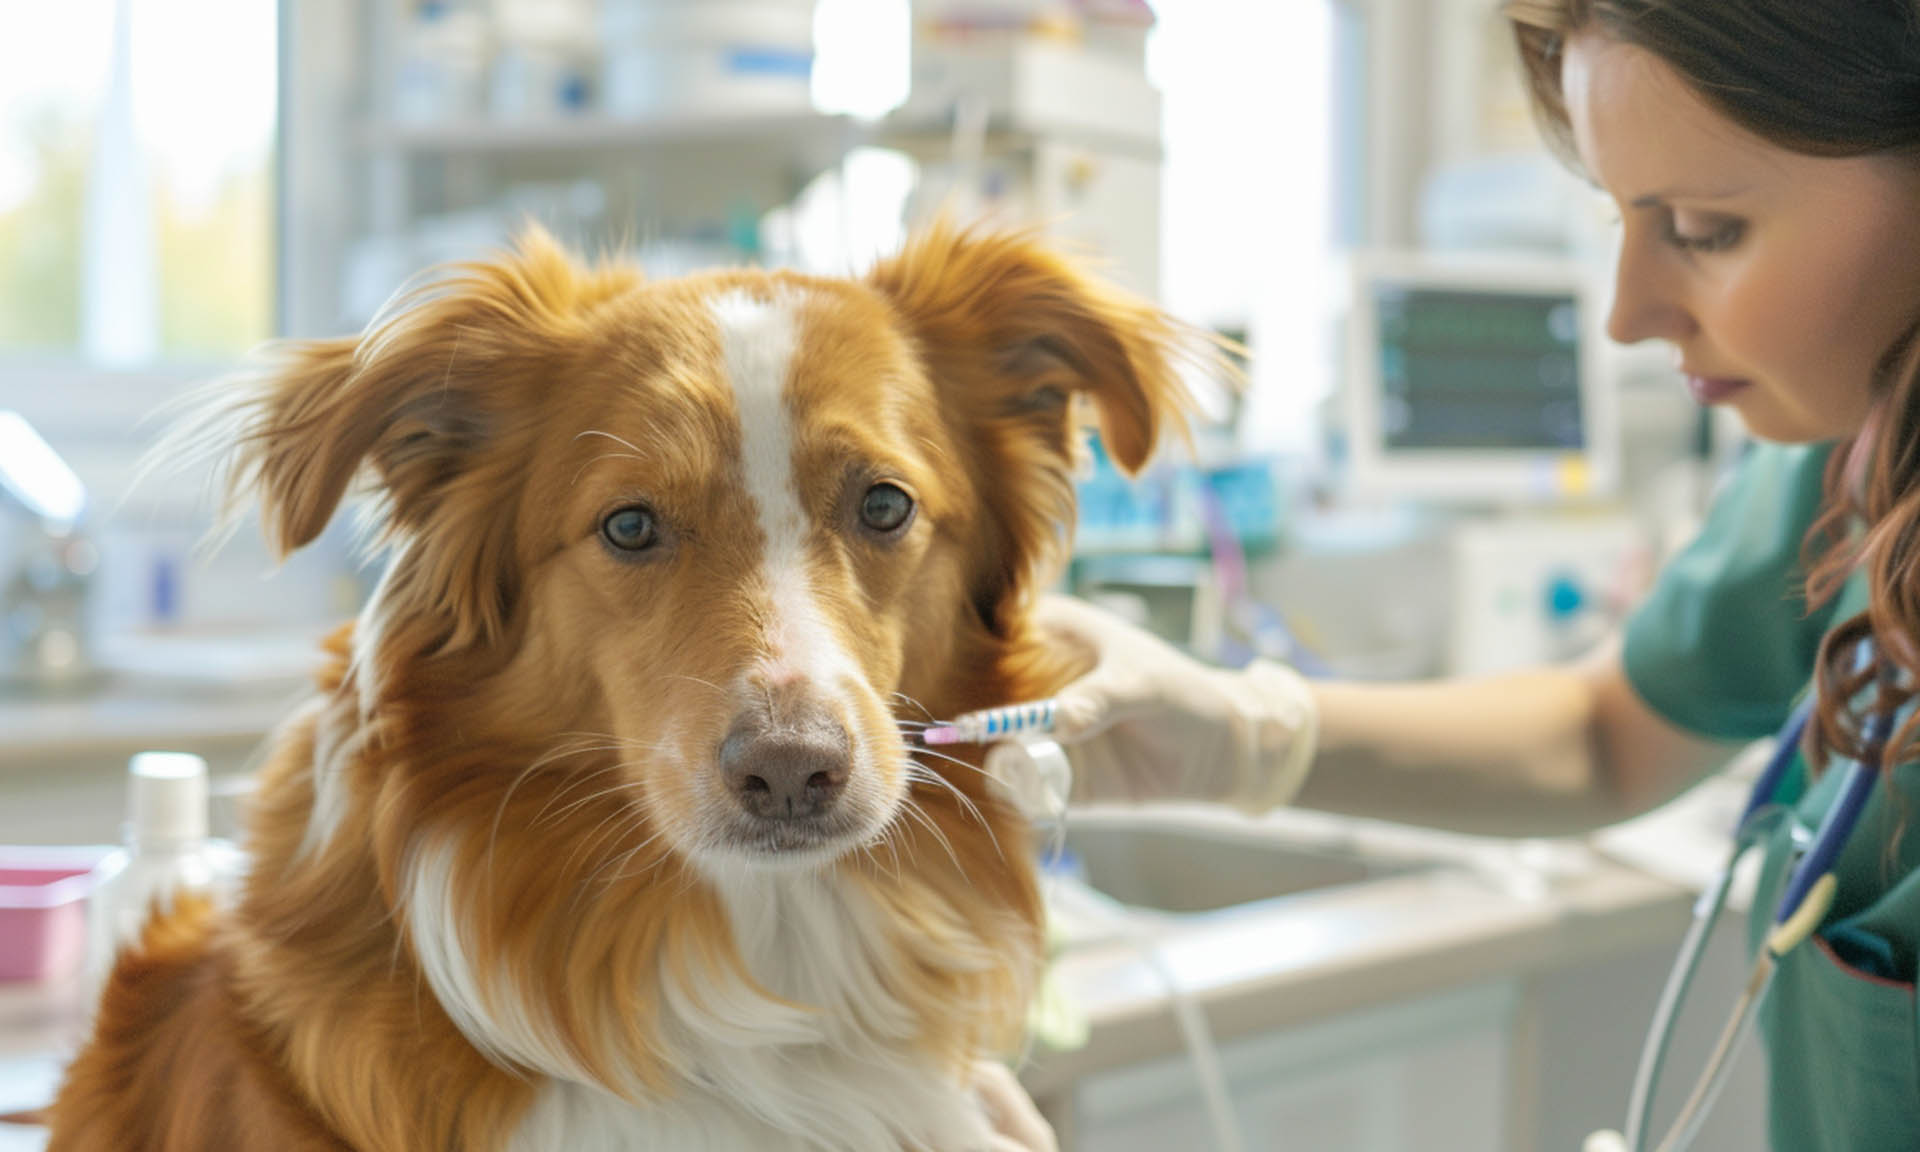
1783 280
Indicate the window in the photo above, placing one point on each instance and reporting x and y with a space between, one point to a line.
1252 176
136 180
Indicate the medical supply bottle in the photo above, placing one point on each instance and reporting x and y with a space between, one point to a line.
166 853
1035 775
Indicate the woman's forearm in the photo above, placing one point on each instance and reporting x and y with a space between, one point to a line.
1542 752
1510 755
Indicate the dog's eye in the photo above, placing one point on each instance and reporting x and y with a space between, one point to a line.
630 529
886 508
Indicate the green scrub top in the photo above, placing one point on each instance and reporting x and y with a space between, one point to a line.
1724 646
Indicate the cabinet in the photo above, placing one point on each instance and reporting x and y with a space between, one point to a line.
398 156
1425 1076
419 131
1029 131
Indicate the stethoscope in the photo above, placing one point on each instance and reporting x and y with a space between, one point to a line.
1804 903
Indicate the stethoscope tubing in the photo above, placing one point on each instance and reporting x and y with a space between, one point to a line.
1713 1079
1804 901
1838 824
1757 820
1706 912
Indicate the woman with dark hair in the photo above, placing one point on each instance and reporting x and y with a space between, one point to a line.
1765 159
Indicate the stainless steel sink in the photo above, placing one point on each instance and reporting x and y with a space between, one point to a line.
1182 863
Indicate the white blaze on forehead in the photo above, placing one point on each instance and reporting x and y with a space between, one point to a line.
758 338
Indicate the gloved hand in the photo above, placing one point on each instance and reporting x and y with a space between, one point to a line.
1151 723
1017 1124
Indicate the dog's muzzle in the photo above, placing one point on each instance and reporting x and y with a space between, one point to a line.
787 762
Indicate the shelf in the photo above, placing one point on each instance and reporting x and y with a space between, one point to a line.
922 133
790 133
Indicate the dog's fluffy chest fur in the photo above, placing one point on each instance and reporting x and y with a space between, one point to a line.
814 1051
762 1074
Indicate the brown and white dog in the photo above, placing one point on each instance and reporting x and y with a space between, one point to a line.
603 830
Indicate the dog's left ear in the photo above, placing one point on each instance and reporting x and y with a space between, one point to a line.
1013 334
1003 315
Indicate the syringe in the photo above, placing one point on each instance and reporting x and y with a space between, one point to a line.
1030 719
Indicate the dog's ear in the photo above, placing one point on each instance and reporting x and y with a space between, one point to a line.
438 377
1014 335
1028 331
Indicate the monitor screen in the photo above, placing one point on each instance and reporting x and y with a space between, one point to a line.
1479 369
1470 381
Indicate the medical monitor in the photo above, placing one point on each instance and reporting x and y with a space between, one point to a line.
1474 381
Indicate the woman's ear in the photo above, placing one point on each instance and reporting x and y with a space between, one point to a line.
1013 338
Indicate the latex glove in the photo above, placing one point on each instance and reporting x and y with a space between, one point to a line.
1017 1124
1150 722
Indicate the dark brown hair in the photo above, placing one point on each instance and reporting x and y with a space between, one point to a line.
1824 78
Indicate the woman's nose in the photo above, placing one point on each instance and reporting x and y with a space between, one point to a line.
1649 302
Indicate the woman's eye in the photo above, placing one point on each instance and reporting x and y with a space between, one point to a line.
1707 236
886 508
630 529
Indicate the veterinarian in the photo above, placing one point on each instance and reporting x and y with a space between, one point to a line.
1764 156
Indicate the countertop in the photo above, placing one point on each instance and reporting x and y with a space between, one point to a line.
1318 955
1482 912
164 690
123 716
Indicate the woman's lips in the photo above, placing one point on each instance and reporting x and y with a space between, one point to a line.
1712 389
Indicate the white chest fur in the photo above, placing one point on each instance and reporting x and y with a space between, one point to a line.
758 1074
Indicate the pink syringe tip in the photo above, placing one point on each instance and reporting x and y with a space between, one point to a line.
941 735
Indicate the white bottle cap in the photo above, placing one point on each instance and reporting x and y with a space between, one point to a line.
1035 774
167 797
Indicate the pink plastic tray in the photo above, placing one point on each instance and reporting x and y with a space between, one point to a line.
43 910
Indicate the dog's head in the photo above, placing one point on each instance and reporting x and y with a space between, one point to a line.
734 527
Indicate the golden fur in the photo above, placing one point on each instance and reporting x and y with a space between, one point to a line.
505 696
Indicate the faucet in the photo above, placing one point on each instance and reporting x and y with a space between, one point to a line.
46 565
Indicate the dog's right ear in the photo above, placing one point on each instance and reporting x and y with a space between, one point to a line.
432 381
1015 338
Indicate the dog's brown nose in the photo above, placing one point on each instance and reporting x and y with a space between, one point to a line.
787 767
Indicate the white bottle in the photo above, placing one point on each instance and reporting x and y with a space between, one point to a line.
1035 775
167 853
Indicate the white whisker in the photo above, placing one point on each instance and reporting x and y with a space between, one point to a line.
603 456
966 802
620 872
697 680
935 752
560 751
610 790
627 444
915 813
906 699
